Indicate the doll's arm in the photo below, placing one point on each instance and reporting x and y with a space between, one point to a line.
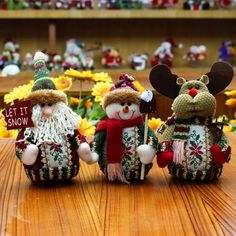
165 153
221 151
147 151
84 151
26 151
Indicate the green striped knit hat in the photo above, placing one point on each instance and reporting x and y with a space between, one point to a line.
44 90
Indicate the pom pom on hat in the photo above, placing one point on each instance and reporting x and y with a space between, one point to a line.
123 90
44 89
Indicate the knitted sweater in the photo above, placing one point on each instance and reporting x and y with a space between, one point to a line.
55 162
132 138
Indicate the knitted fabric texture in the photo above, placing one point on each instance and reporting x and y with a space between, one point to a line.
44 89
114 136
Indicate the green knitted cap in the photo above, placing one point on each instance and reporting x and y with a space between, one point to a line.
44 89
41 77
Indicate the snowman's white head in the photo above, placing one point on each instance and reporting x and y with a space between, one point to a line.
124 110
123 100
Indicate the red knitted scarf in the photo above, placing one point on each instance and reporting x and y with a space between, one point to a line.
114 130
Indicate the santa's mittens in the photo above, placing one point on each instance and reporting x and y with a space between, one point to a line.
164 158
219 156
146 153
30 154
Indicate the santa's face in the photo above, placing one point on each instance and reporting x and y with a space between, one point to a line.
52 122
123 111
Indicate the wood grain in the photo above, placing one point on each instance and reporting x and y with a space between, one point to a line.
89 205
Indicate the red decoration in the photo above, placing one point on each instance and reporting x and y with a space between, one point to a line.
18 116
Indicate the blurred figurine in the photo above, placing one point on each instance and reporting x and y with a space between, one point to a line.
74 55
55 62
162 4
10 54
164 53
111 58
196 55
227 52
11 4
223 4
196 5
37 5
28 62
86 4
138 61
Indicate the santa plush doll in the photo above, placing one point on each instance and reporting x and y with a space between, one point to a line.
119 140
50 151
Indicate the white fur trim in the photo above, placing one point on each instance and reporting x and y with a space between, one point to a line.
30 154
39 56
146 153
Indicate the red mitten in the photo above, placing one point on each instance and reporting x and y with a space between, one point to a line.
164 158
218 155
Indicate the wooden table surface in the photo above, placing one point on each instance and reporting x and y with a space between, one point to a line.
89 205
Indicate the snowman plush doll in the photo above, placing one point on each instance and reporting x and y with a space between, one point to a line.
50 151
119 139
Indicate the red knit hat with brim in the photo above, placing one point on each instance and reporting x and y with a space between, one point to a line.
44 90
123 91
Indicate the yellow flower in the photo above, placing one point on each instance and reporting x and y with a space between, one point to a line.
155 123
4 133
138 86
2 120
19 92
231 102
100 89
63 83
81 75
233 122
74 101
231 93
227 128
102 77
86 128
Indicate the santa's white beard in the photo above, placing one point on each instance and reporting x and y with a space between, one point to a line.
55 128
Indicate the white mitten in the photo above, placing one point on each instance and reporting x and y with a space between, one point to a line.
86 155
30 154
146 153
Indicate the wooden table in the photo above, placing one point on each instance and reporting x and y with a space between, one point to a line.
90 205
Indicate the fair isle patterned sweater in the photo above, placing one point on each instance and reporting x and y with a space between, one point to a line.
55 162
132 137
198 135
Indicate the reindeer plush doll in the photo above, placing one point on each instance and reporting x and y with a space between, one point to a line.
192 145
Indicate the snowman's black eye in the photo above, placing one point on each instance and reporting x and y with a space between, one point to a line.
49 104
43 104
197 86
129 104
122 103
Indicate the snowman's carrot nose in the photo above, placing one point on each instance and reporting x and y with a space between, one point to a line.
126 109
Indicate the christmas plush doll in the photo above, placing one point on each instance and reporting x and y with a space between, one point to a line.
119 139
192 145
50 150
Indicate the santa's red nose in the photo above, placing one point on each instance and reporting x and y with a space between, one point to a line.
192 92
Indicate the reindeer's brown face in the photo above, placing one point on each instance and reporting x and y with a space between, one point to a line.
194 99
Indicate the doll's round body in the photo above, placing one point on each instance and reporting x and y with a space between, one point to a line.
119 140
193 146
191 142
50 150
